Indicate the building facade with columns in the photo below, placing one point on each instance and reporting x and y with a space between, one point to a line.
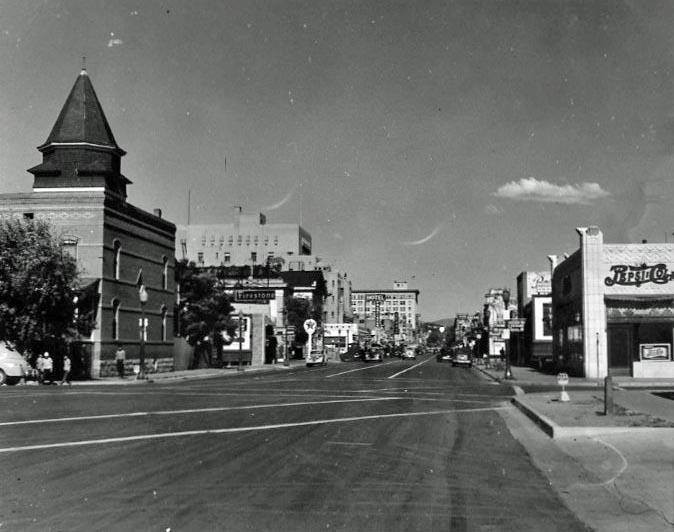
80 190
613 308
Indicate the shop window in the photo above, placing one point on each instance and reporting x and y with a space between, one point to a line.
547 319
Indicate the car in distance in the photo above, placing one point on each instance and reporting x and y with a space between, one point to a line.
462 358
13 367
374 354
316 357
409 353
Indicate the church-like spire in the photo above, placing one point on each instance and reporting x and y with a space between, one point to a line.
81 151
82 119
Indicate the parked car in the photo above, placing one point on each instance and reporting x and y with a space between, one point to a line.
462 358
317 357
13 367
352 353
374 354
409 354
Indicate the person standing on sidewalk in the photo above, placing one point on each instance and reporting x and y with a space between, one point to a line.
47 368
120 358
66 370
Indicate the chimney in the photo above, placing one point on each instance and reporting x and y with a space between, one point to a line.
157 213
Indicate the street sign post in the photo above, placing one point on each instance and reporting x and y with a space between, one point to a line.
310 329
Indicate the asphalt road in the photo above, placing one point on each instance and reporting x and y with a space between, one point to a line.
400 445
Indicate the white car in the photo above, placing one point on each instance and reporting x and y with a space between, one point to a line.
409 353
316 357
13 367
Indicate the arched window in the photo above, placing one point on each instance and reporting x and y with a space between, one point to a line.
164 274
164 314
117 252
115 319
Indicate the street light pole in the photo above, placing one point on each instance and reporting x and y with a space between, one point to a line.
240 366
286 360
506 302
142 296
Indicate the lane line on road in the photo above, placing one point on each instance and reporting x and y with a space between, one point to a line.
349 443
232 430
191 411
409 369
360 369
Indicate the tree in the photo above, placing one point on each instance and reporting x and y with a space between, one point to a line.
38 284
299 310
434 337
204 308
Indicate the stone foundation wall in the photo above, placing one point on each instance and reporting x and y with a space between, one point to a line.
109 367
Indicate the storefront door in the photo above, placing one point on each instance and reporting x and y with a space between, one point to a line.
620 345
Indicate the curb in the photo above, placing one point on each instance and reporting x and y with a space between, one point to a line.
486 373
556 431
132 381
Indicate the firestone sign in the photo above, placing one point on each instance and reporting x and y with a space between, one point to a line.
625 275
254 296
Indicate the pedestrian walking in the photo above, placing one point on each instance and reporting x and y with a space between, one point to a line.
120 358
47 368
66 370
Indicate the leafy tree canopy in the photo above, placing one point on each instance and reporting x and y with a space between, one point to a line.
299 310
38 281
205 308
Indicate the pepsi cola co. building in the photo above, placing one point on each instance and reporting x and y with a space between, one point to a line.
613 308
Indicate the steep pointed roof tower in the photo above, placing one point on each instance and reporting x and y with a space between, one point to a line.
81 152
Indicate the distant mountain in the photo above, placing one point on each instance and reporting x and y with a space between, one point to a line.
444 322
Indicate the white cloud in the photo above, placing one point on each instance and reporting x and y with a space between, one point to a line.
115 42
531 189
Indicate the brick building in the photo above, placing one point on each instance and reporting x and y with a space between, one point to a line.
79 189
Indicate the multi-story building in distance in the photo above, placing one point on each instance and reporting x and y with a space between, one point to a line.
248 240
397 306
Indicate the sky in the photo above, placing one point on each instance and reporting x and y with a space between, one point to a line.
452 144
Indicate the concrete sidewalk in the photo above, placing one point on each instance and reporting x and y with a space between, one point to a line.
191 374
583 414
526 375
614 471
